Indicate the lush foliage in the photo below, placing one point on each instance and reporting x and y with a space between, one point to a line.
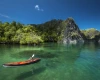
91 33
18 33
50 30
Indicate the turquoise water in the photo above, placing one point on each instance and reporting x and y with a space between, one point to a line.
58 62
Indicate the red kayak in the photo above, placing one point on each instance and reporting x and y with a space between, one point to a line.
21 63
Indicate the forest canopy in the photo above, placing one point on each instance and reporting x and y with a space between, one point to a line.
18 33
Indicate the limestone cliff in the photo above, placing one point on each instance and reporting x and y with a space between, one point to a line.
70 32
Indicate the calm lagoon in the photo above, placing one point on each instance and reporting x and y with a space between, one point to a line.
58 62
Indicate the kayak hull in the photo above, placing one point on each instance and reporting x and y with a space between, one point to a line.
22 63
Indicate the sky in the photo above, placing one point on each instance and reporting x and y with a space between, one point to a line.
86 13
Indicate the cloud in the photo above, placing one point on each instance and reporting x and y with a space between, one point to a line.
5 16
38 8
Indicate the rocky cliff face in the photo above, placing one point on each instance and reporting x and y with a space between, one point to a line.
70 32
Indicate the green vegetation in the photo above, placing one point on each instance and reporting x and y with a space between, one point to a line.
91 34
51 31
18 33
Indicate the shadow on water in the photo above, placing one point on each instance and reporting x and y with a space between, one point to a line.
47 55
37 71
28 53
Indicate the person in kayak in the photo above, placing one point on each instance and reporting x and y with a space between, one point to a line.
31 57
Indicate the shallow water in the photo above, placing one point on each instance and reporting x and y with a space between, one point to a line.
58 62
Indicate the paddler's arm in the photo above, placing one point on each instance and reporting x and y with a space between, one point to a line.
31 57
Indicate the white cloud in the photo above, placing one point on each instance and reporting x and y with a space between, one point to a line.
38 8
5 16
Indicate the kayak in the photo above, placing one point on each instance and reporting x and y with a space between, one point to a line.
22 63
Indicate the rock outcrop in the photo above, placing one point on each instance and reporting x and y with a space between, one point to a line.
70 33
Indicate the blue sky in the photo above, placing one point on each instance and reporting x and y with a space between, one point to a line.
86 13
